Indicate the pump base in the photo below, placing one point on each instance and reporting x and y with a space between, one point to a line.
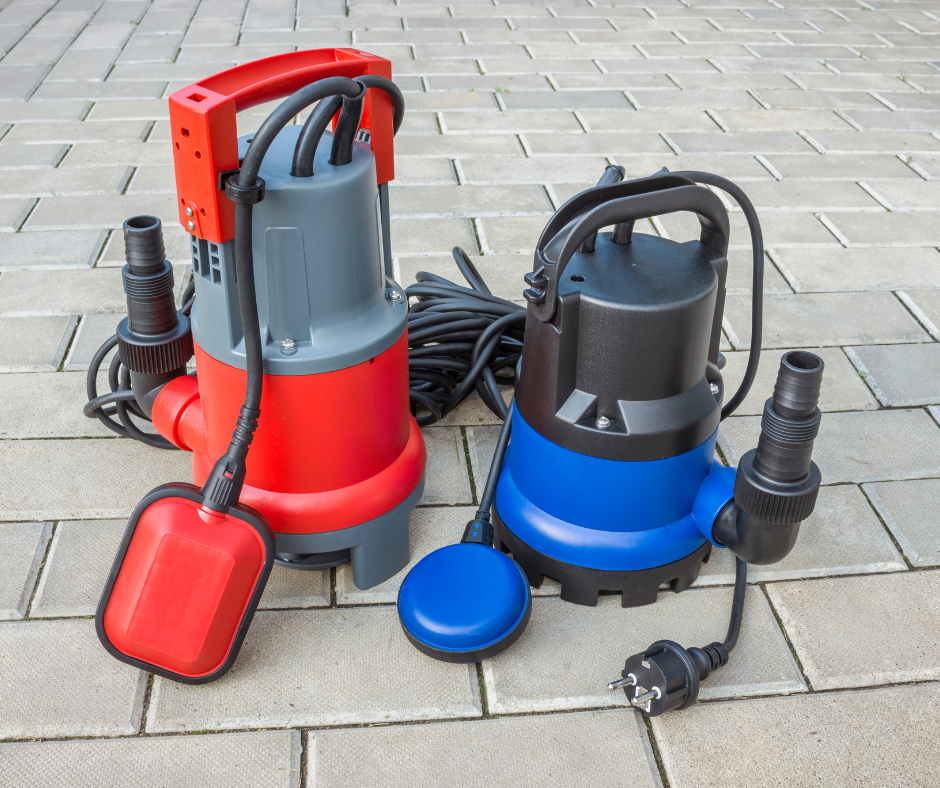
582 585
377 549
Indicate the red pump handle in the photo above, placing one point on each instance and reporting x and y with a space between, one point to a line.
205 140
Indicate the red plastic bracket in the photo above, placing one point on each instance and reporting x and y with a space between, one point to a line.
205 140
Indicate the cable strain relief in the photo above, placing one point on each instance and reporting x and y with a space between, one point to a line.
225 481
245 426
709 658
247 195
479 531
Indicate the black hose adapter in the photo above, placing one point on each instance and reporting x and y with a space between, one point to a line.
154 340
777 483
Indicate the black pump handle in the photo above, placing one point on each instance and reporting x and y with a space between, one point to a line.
645 198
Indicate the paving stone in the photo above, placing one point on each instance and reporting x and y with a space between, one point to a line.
448 483
569 652
34 156
861 631
56 680
902 375
875 268
77 567
543 169
889 229
738 142
58 182
66 213
512 234
263 759
822 319
94 90
909 509
431 528
296 588
49 250
823 739
876 141
589 749
77 131
13 212
910 195
868 167
842 387
82 478
19 82
927 303
632 121
468 200
781 120
808 196
287 674
603 143
514 121
96 154
422 236
458 145
34 344
92 332
856 447
24 545
26 293
780 229
46 405
842 537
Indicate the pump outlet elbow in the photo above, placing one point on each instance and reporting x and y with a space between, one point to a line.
777 483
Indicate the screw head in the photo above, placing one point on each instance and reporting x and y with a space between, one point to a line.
603 422
190 225
189 211
393 295
288 347
714 388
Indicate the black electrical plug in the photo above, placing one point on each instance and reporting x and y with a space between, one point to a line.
667 676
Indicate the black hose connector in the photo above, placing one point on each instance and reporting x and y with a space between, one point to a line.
155 341
778 482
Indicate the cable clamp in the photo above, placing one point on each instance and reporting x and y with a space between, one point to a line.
245 196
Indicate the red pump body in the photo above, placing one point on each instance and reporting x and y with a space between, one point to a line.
334 449
309 470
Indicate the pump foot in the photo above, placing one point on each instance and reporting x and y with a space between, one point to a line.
582 585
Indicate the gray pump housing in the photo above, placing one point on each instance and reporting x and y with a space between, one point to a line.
322 260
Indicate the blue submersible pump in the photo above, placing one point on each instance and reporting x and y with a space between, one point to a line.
605 477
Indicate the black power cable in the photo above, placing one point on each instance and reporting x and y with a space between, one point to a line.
459 339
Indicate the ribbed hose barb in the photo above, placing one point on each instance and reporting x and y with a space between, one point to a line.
777 483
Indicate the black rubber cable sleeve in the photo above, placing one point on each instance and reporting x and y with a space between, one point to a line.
737 603
306 147
757 287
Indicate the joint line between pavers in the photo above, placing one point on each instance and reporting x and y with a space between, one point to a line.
827 223
786 636
785 272
847 119
866 375
40 560
919 315
903 545
875 196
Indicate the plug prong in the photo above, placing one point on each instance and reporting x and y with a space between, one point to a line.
646 699
627 681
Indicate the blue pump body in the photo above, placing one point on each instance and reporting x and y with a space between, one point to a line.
610 514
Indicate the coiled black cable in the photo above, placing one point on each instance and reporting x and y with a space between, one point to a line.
459 339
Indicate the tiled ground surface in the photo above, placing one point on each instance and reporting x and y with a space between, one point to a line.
828 114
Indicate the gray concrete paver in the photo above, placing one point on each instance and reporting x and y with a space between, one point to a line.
823 739
590 749
568 653
24 545
262 759
842 643
313 667
909 510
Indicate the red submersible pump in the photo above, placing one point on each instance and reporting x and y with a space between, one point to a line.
293 317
